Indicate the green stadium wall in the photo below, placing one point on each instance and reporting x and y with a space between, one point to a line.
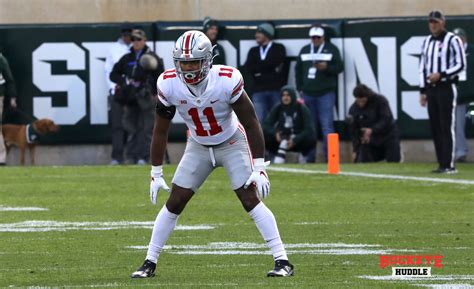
59 68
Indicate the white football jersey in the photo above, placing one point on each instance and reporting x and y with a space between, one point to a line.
209 116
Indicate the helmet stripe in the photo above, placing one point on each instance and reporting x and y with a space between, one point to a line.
187 43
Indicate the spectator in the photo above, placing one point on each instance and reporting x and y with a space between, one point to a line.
465 95
117 50
317 68
438 87
289 127
267 65
373 130
136 74
7 98
211 29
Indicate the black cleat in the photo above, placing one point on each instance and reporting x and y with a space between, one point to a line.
448 171
437 171
283 268
451 171
147 270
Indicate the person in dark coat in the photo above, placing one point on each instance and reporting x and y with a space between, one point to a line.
211 29
268 67
374 132
316 74
7 99
289 127
135 75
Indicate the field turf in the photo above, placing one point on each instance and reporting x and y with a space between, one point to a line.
88 227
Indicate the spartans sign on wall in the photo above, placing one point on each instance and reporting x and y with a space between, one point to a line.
60 75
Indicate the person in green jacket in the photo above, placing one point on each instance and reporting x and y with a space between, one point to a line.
7 96
317 68
465 96
289 127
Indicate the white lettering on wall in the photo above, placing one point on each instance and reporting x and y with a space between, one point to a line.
98 89
74 87
357 68
410 59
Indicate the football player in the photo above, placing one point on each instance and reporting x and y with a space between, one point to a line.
224 131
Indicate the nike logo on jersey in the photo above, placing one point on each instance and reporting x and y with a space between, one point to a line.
232 142
214 101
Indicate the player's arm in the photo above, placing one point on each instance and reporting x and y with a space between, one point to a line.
245 111
165 112
159 140
164 115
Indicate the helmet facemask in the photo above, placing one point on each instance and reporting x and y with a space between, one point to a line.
193 76
193 46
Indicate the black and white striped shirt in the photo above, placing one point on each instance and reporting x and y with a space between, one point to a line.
443 54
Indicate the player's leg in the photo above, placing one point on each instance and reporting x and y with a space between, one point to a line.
164 225
166 220
194 167
235 158
267 226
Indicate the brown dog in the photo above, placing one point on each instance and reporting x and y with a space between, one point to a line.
17 135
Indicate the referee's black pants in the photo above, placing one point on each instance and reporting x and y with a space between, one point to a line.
441 110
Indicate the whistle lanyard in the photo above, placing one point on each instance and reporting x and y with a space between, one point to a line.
264 52
320 49
137 57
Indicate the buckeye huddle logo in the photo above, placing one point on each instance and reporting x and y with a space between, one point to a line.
411 265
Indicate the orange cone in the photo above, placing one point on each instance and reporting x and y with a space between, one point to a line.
333 153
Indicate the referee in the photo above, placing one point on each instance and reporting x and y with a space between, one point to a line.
442 59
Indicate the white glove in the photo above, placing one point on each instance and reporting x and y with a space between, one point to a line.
157 182
259 178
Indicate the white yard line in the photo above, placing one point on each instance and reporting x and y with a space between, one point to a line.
17 209
48 226
246 245
312 223
376 176
117 285
419 278
446 286
292 252
237 248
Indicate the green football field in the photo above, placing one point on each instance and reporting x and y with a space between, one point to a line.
88 227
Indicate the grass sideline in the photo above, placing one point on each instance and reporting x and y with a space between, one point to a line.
399 216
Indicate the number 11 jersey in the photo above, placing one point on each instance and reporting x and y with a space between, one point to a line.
208 116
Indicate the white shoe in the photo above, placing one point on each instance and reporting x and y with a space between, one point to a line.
301 159
114 163
279 160
141 162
